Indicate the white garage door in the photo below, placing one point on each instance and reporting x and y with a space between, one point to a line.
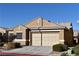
36 39
50 38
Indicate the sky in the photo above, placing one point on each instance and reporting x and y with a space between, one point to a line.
16 14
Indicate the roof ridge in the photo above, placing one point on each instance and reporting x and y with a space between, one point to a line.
33 20
18 25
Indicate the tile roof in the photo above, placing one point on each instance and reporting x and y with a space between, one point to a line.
43 23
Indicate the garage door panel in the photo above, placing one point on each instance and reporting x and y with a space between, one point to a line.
49 39
36 39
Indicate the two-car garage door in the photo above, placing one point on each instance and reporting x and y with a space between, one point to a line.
45 38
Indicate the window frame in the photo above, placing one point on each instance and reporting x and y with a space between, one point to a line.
19 37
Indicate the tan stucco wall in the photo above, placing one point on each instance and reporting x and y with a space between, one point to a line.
23 30
21 42
61 36
10 31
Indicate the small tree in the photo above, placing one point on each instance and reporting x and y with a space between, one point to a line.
8 38
11 38
5 38
1 37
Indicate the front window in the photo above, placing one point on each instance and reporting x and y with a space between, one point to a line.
18 35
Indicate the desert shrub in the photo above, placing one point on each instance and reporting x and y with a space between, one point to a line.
60 47
17 45
76 50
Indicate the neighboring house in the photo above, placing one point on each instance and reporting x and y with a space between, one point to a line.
3 30
41 32
76 36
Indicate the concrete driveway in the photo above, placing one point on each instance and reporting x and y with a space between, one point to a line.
35 50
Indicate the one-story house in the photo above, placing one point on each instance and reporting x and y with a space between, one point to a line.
41 32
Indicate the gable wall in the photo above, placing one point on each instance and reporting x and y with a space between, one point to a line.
23 30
